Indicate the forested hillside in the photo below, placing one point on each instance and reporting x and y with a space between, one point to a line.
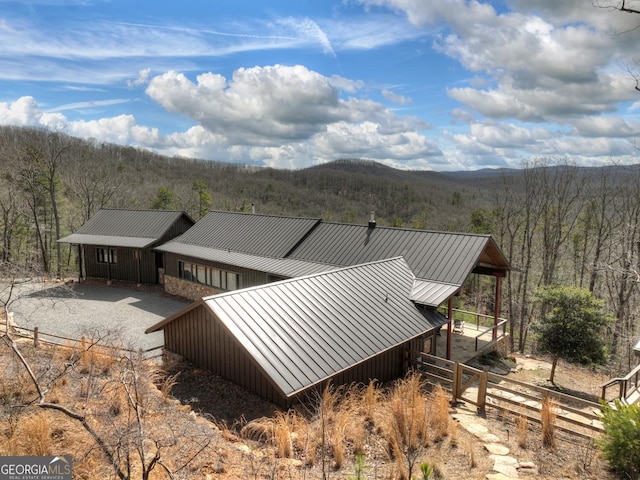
556 223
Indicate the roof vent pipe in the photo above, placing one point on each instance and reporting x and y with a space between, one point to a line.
253 208
372 220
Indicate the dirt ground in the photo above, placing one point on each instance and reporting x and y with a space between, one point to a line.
209 405
581 382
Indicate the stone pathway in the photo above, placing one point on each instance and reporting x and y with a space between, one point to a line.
505 466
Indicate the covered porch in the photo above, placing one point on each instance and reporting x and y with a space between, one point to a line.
469 336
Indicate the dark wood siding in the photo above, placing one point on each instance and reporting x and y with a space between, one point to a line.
128 267
384 367
183 224
250 278
133 265
201 338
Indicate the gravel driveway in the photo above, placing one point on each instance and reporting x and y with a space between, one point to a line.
95 311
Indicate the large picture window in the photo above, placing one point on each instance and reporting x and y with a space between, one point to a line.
211 276
107 255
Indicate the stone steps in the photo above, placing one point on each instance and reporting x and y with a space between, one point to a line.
505 466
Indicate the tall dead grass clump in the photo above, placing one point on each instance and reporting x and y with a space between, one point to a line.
522 426
337 436
548 415
371 399
407 423
167 384
308 440
277 430
32 437
468 446
439 413
347 430
93 360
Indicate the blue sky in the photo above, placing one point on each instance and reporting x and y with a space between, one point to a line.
414 84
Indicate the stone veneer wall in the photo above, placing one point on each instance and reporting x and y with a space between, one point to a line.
190 290
501 346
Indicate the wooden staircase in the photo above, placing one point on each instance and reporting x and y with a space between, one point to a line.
628 391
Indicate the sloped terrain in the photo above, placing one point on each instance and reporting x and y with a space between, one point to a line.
209 428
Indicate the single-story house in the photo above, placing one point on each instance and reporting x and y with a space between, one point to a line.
283 305
226 251
286 339
118 244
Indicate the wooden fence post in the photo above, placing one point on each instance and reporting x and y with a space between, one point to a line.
456 381
482 390
36 343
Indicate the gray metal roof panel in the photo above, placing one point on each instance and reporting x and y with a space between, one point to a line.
438 256
108 240
304 330
432 293
284 267
130 223
265 235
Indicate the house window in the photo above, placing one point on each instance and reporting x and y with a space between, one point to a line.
107 255
213 277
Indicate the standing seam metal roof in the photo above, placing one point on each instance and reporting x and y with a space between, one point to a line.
137 228
284 267
265 235
436 256
304 330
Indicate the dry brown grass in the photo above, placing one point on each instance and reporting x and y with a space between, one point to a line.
548 415
396 427
166 384
439 413
97 360
372 397
522 427
407 424
277 430
32 437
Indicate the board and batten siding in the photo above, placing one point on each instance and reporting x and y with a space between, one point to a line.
183 224
201 338
126 268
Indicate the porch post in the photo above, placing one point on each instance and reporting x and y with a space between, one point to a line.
80 266
496 306
137 254
108 252
449 326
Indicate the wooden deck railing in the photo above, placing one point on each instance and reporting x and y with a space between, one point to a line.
627 386
475 317
494 331
484 389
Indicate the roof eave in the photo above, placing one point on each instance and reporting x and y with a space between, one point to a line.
163 323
